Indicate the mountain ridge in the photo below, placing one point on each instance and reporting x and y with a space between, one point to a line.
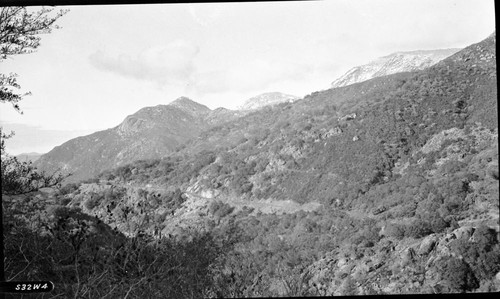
149 133
267 99
403 61
190 106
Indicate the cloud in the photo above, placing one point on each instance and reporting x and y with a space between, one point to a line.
174 65
171 64
247 76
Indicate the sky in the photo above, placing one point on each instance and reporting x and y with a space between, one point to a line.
107 62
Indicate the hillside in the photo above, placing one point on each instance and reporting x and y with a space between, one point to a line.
391 118
394 63
386 186
380 153
151 132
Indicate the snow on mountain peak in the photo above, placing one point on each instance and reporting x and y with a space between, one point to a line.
393 63
266 99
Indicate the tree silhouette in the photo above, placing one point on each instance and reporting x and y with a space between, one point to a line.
19 34
20 28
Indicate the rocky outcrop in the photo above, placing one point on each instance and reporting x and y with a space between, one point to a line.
413 267
347 117
427 244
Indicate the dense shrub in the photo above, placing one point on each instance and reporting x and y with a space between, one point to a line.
438 223
68 188
90 181
85 258
418 229
457 274
219 209
92 202
22 177
482 253
395 230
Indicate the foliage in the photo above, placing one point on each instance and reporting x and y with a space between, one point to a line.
458 274
22 177
19 34
219 209
482 254
7 95
86 258
418 229
92 202
20 29
68 188
395 231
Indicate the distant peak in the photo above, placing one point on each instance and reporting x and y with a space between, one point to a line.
267 99
189 105
182 100
221 109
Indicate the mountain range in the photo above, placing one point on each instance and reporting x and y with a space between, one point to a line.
151 132
394 63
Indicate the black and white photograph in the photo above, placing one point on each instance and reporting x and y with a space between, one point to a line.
248 149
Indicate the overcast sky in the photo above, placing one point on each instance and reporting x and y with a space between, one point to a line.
107 62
